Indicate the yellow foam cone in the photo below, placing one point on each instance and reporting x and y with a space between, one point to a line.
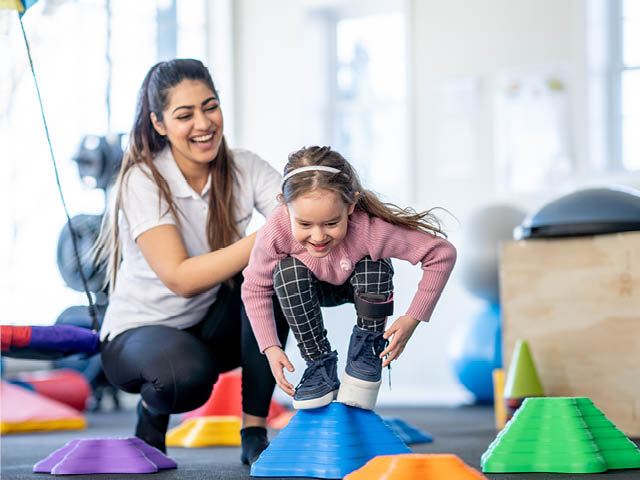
206 432
500 412
11 5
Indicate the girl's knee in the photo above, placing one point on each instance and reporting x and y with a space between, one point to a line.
382 269
373 278
291 272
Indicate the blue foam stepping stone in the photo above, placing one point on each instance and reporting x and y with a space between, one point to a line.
407 433
328 442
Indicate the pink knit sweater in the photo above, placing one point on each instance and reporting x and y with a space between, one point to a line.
366 235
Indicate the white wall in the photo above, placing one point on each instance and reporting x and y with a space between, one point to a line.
271 85
458 39
450 40
476 40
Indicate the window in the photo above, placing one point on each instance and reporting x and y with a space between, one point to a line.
362 105
370 124
83 93
532 126
628 69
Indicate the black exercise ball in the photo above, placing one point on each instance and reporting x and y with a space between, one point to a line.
87 229
591 211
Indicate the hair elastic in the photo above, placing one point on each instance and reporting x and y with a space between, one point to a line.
309 168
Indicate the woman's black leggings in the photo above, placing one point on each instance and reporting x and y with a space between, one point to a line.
175 370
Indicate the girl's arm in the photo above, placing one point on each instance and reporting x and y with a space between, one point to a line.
257 288
435 255
164 250
278 361
399 333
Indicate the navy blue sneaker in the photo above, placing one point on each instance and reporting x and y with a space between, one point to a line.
363 374
319 384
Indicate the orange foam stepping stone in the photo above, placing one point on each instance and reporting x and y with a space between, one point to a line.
420 466
24 411
226 399
281 420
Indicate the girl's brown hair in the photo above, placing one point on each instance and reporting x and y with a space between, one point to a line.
145 143
346 185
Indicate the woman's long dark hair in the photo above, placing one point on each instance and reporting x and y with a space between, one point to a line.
145 143
347 186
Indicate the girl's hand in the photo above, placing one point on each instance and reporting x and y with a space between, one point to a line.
401 331
278 360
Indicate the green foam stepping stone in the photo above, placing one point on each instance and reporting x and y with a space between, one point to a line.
560 435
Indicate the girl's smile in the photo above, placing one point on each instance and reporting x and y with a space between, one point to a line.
320 247
319 221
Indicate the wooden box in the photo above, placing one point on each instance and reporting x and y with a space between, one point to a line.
577 303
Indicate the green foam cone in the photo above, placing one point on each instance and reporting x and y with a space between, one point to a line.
522 378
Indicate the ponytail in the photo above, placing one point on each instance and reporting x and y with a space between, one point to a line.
347 186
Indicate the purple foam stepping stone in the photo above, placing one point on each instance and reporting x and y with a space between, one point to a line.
153 454
105 455
45 466
108 455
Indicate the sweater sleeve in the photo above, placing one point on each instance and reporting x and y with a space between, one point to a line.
436 256
257 287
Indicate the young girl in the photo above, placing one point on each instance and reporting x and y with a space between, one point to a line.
330 242
183 201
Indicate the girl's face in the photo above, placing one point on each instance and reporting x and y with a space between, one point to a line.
192 123
319 221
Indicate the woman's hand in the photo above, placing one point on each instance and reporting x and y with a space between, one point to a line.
401 331
278 361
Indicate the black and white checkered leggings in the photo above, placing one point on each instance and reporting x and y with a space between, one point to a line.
301 295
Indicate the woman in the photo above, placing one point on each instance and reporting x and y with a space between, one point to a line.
175 244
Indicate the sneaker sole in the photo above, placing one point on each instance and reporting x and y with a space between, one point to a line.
358 393
315 402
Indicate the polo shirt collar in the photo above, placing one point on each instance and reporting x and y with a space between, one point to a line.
169 169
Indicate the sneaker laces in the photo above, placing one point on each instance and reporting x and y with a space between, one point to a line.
371 355
318 366
385 345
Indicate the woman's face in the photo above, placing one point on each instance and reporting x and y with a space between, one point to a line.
192 123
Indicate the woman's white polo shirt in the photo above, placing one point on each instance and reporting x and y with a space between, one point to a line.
140 298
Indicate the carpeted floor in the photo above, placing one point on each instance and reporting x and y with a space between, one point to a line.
465 431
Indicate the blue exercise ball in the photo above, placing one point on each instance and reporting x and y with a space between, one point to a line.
475 351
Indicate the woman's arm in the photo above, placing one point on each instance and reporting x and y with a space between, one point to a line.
164 250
